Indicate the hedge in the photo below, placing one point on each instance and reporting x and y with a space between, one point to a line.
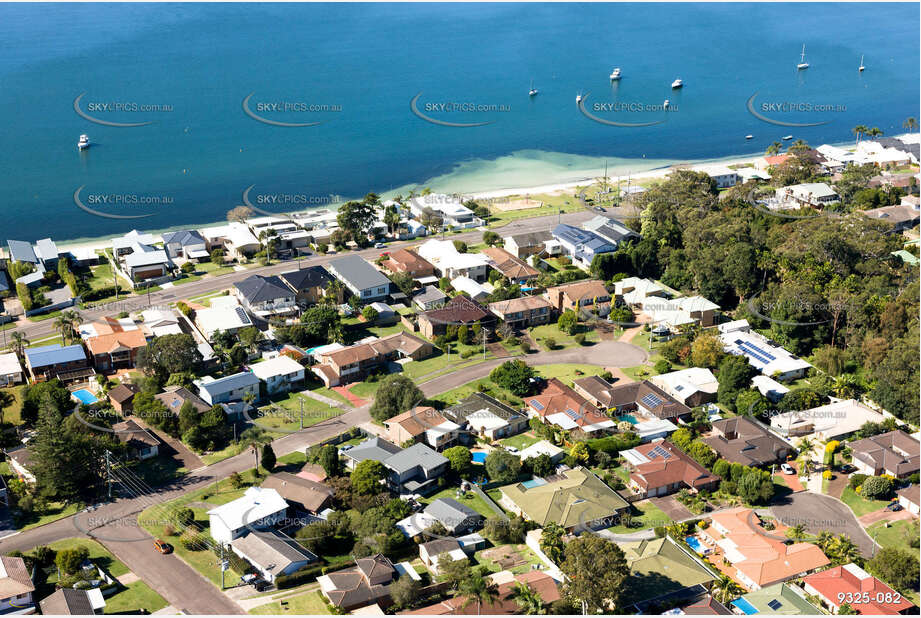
301 576
98 293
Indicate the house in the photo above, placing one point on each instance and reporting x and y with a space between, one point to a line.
910 499
487 417
141 443
272 553
21 251
557 404
431 552
525 245
308 284
430 298
410 263
543 447
423 424
743 440
723 175
661 468
815 194
781 599
674 313
280 374
581 245
451 263
362 279
895 453
760 559
476 291
770 388
106 326
870 596
256 509
16 587
902 216
117 350
634 290
351 363
539 582
644 399
174 397
459 310
230 388
449 208
456 518
415 470
761 353
366 583
301 493
139 259
187 244
159 322
21 462
509 266
576 499
265 296
832 421
225 315
611 230
583 297
10 369
73 602
122 397
660 567
57 361
375 449
693 387
766 163
234 237
522 312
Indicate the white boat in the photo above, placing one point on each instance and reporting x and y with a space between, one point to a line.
665 104
749 136
84 142
787 137
579 98
861 67
802 60
677 84
615 74
532 91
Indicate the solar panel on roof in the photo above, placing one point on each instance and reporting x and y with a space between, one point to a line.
775 604
571 413
659 452
241 314
651 401
537 405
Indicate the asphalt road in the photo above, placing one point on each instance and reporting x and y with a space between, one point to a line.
818 512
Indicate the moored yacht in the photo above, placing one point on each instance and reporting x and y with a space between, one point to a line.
802 60
677 84
615 74
84 142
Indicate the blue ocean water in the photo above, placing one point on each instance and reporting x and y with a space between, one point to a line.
370 60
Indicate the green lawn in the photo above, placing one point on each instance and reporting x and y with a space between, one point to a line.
470 499
563 340
285 412
328 392
568 372
307 603
896 534
52 512
526 557
13 413
645 515
551 205
365 390
521 441
861 506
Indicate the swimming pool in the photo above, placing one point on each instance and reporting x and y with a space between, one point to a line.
629 418
694 544
747 608
84 396
534 482
479 457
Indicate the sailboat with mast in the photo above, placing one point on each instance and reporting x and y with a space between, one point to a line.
861 67
532 91
802 60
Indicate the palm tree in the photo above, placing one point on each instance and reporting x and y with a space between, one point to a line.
846 386
773 149
824 539
529 600
725 590
19 343
476 588
842 550
798 146
859 130
910 123
806 444
796 532
874 132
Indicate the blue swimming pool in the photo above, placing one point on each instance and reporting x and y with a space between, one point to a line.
695 544
479 457
629 418
532 483
747 608
84 396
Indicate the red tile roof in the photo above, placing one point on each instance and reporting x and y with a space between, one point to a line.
853 582
678 467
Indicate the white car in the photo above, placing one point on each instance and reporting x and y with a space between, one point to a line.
511 449
787 469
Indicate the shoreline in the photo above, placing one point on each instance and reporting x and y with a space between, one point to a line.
655 169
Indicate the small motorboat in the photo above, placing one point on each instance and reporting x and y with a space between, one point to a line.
665 104
787 137
615 74
532 91
749 136
84 142
579 98
677 84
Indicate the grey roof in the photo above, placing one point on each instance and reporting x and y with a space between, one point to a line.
259 289
21 251
452 513
610 229
531 239
147 256
174 398
306 278
476 402
429 294
183 237
417 455
377 449
4 281
229 383
358 272
46 249
54 354
67 602
272 551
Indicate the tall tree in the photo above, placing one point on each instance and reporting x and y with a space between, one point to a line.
586 558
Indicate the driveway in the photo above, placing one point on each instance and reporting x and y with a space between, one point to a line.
818 512
673 509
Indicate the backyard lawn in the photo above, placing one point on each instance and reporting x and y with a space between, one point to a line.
645 515
12 413
861 506
515 558
304 604
899 534
470 499
521 441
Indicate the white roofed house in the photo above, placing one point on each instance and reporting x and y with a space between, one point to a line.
815 194
450 263
723 175
477 291
235 238
256 509
832 421
225 314
280 374
450 208
762 354
610 229
159 322
10 369
692 387
229 388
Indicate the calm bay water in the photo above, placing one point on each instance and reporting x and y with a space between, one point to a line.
370 60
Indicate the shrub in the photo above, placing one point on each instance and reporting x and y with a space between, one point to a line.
188 267
579 338
827 475
301 576
856 480
525 347
550 343
192 540
660 532
876 487
69 560
662 366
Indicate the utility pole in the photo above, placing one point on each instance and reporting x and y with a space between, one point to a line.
109 474
485 337
302 411
223 566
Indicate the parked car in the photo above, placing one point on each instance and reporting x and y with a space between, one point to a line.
847 468
162 546
598 209
511 449
379 245
787 468
261 585
893 506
